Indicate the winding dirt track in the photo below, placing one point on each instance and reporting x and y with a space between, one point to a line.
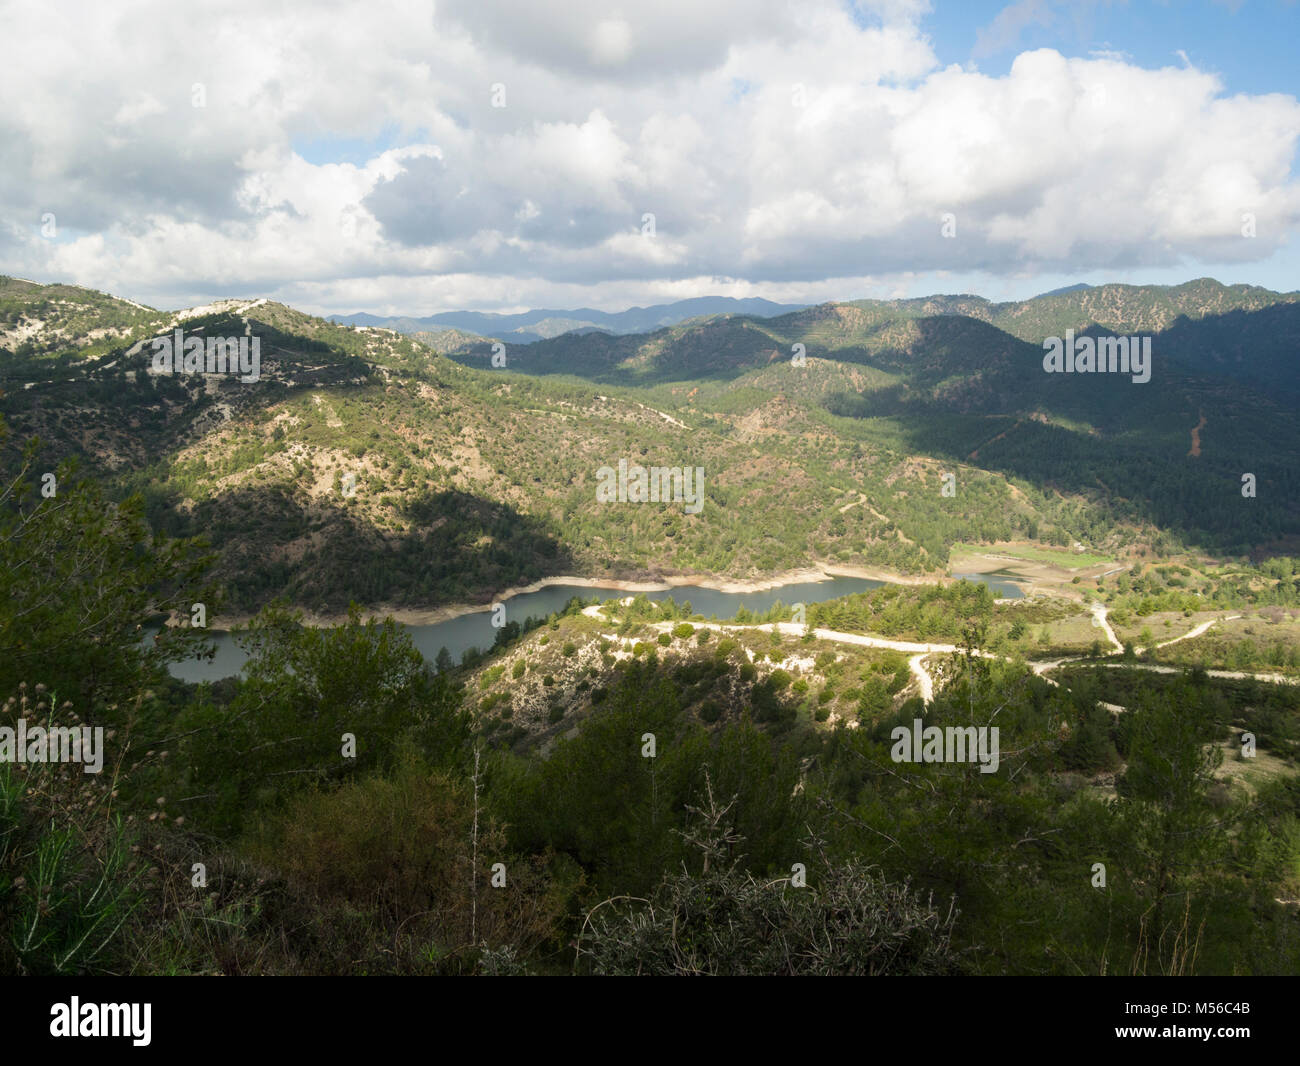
924 681
1099 619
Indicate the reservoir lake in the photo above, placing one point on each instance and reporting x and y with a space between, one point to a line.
475 630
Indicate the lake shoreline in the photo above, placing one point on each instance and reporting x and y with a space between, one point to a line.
419 616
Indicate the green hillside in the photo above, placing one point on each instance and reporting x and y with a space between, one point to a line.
363 465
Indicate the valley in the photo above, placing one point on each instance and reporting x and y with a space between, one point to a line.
456 575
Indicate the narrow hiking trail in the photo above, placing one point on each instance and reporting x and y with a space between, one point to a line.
924 682
1196 632
1099 619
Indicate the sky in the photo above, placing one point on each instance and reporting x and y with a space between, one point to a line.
407 158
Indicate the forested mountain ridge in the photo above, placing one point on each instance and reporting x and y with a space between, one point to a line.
1243 332
1119 308
369 467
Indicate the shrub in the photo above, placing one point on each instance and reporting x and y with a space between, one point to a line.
848 920
393 852
682 630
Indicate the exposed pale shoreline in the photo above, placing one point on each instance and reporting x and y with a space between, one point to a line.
423 616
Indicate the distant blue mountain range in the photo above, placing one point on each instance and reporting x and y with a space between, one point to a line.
530 326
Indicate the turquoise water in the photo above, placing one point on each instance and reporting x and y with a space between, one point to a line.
475 630
458 635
